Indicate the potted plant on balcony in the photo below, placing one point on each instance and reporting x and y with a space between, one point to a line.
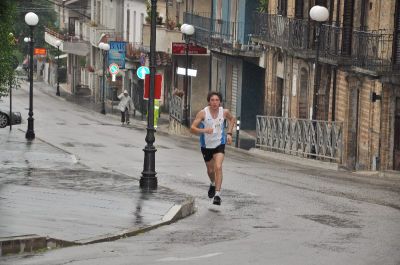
90 69
170 23
148 17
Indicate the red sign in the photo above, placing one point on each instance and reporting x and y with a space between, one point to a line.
39 51
180 48
157 86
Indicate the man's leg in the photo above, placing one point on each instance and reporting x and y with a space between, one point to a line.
218 159
211 176
127 115
122 117
210 170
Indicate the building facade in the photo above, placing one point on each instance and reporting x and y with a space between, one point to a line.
350 76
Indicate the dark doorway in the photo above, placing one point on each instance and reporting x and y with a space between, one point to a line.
279 96
303 95
396 155
71 25
252 95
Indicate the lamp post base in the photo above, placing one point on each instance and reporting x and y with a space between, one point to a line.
148 180
30 134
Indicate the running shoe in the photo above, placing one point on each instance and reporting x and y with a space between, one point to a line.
217 200
211 191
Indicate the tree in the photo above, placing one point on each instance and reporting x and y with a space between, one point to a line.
7 59
47 18
262 6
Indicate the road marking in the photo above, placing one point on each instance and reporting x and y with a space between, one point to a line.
189 258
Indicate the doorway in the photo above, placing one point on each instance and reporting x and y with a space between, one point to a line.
279 97
303 95
396 154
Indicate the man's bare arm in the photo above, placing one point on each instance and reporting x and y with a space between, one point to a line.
195 125
231 120
231 123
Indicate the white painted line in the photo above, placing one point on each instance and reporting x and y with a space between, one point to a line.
189 258
171 213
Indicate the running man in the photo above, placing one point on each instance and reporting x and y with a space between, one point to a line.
209 123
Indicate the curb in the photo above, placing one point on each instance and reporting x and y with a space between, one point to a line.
31 243
20 244
293 159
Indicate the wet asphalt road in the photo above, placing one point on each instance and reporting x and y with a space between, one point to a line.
272 212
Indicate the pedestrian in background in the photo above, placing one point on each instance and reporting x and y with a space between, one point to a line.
209 123
125 106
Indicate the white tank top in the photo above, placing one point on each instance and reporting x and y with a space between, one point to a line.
218 136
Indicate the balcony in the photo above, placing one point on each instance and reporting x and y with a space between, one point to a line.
165 38
82 30
371 51
101 33
220 35
69 44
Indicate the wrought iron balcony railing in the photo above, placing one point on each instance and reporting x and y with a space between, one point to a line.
217 33
370 50
282 31
300 137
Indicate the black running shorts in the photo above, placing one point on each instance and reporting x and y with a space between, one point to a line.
209 153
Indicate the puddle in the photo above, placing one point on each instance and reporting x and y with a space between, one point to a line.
331 220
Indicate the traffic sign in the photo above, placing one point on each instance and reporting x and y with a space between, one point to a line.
142 71
113 68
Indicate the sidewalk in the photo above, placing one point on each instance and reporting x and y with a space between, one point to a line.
49 200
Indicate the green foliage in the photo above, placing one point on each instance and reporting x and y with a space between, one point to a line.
47 18
262 6
7 61
12 20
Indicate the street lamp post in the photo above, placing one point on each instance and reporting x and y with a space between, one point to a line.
58 44
104 47
319 14
148 180
187 30
32 20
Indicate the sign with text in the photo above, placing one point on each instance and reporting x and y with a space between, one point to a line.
180 48
117 53
157 86
182 71
40 51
